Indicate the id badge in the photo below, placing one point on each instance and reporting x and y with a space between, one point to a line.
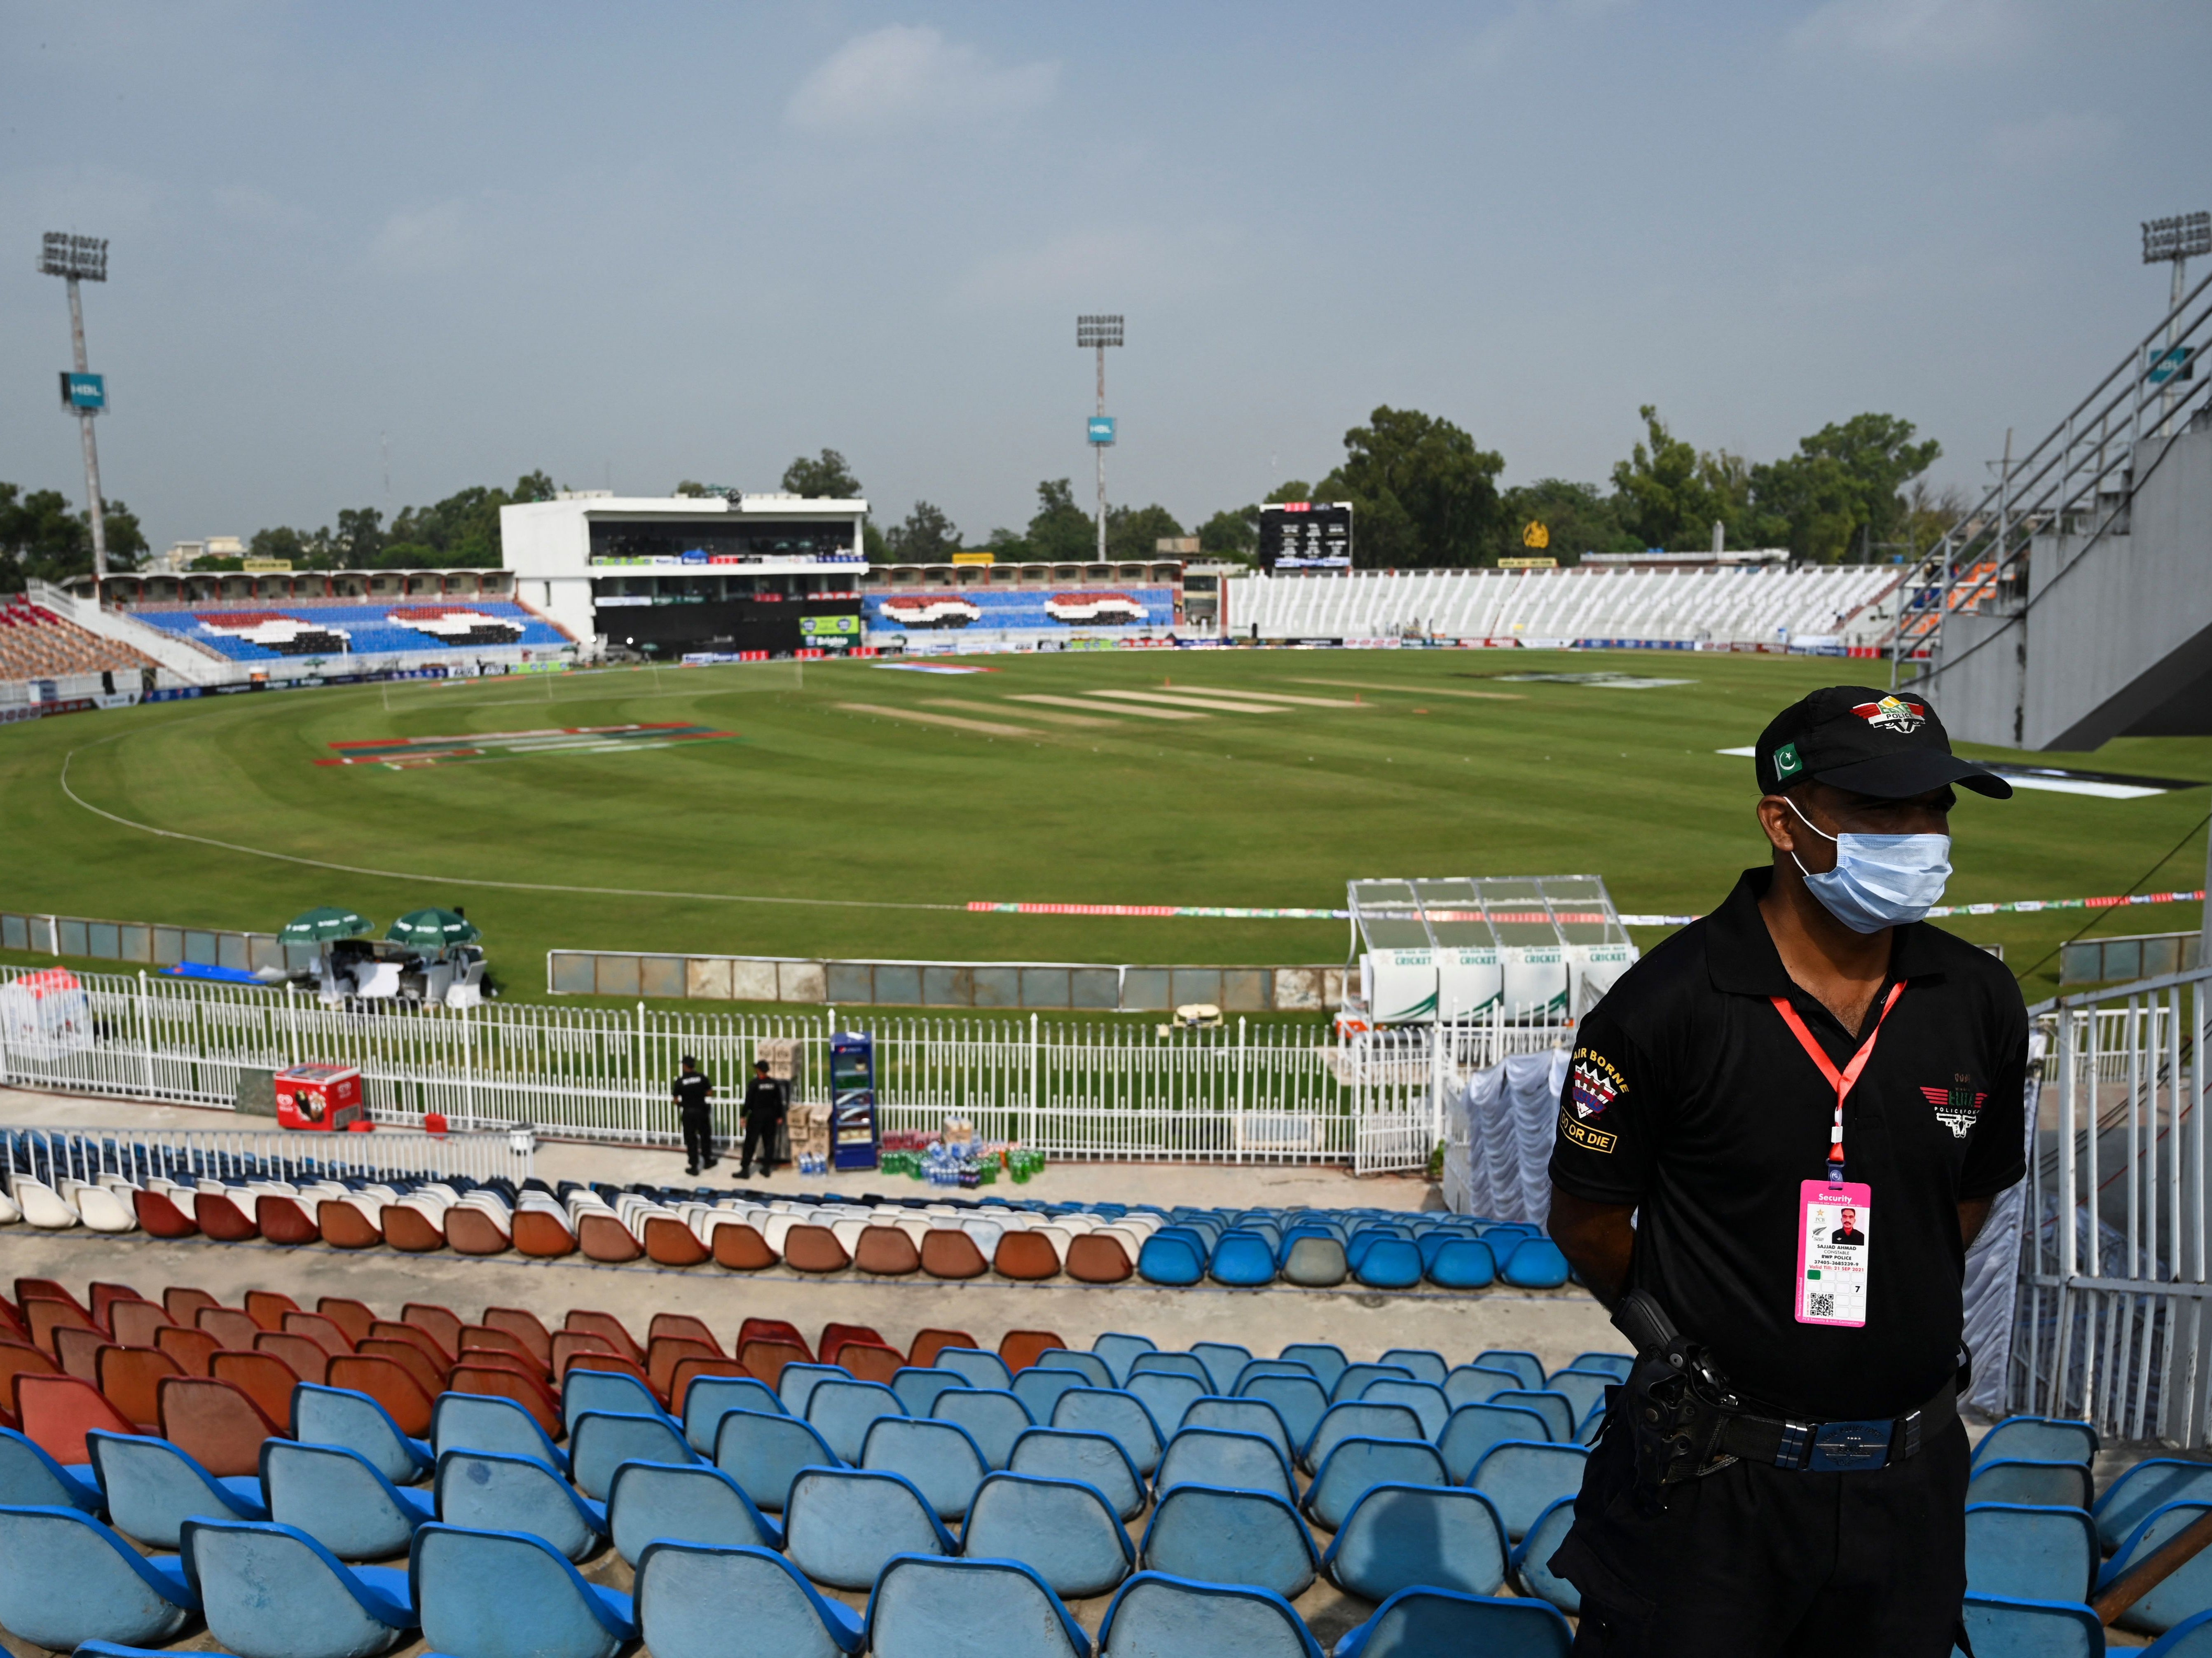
1833 1224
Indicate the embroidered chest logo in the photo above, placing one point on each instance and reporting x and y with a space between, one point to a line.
1893 713
1958 1107
1595 1084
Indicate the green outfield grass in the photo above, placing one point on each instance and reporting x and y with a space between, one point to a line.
1423 762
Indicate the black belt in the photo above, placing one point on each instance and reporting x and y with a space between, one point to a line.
1837 1447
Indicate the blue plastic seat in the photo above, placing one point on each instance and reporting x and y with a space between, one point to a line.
1561 1418
67 1579
1352 1379
1212 1535
1173 1258
2150 1484
983 1369
2013 1549
993 1416
1415 1623
1242 1261
492 1491
2001 1628
918 1389
1425 1365
1224 1361
341 1416
271 1591
1300 1400
2187 1592
1121 1416
340 1498
1095 1459
1616 1365
1356 1466
1462 1264
2190 1638
795 1386
1257 1368
503 1594
1524 1480
763 1454
1039 1388
1324 1358
1247 1416
708 1396
843 1525
1096 1371
612 1393
1535 1264
1531 1559
29 1478
1118 1352
1390 1264
1423 1398
925 1607
1155 1615
2038 1439
843 1409
1474 1384
1222 1457
2014 1480
1583 1390
1520 1362
942 1459
601 1442
153 1487
1160 1364
1398 1536
695 1501
1358 1418
1167 1395
480 1422
1472 1429
698 1601
1064 1530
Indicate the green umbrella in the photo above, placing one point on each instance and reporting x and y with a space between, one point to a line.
323 923
431 929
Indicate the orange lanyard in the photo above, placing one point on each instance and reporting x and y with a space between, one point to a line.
1841 1081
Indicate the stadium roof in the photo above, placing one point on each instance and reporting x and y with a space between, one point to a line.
1477 912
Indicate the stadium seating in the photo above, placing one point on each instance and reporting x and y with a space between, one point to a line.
272 629
35 643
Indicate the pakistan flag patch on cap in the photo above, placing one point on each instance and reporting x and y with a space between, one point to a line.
1787 765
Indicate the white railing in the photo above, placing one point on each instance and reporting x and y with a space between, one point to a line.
1280 1091
86 1154
2111 1324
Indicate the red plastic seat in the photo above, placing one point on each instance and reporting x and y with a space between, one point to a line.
1092 1258
222 1218
946 1254
766 1360
1026 1257
354 1317
344 1227
871 1361
387 1329
567 1344
285 1220
215 1424
388 1383
104 1299
191 1349
683 1326
267 1308
134 1323
740 1248
532 1396
324 1331
159 1216
602 1237
814 1249
617 1363
835 1335
774 1329
263 1377
56 1412
670 1242
667 1352
526 1327
77 1351
473 1231
928 1343
181 1302
21 1358
541 1233
485 1337
886 1252
607 1325
428 1374
228 1325
409 1228
1022 1348
307 1358
688 1369
130 1381
443 1323
45 1316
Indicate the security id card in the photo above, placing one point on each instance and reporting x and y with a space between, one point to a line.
1833 1220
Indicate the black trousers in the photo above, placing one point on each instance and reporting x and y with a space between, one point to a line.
698 1138
760 1136
1760 1561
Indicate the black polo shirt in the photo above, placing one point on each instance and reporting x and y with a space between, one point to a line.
693 1093
1690 1097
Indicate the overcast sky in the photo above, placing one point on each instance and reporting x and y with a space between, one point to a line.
636 244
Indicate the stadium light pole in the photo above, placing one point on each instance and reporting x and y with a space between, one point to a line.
75 259
1100 331
2174 241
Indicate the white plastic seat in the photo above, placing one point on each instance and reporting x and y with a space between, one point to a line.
102 1209
42 1205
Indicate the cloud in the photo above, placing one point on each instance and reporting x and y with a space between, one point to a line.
909 75
2052 138
415 243
1133 262
1914 32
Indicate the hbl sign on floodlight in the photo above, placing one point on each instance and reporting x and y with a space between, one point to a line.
84 394
1101 429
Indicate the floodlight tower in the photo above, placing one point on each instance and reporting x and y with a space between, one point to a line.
2174 241
1099 332
84 394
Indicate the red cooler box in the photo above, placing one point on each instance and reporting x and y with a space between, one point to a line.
321 1098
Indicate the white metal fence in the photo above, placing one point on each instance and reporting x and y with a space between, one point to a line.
1279 1091
86 1154
2111 1323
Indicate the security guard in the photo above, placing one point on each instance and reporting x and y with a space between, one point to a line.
762 1112
695 1093
1784 1471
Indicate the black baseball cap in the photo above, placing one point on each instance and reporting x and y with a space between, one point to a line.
688 1059
760 1065
1888 744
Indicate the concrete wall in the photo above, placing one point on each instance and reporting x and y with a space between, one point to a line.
2116 639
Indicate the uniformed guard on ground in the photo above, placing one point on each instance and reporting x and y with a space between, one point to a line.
694 1110
762 1112
1779 1133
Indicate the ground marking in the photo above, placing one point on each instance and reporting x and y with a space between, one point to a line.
987 727
997 708
1209 705
1079 702
1281 696
1418 691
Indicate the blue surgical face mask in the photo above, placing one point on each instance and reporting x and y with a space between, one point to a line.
1879 880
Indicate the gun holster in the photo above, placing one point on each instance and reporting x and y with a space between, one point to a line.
1676 1403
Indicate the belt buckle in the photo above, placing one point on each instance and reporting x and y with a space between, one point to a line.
1850 1447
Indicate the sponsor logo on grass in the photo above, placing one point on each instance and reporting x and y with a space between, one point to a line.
411 753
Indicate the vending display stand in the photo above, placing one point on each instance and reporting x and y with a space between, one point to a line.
853 1138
